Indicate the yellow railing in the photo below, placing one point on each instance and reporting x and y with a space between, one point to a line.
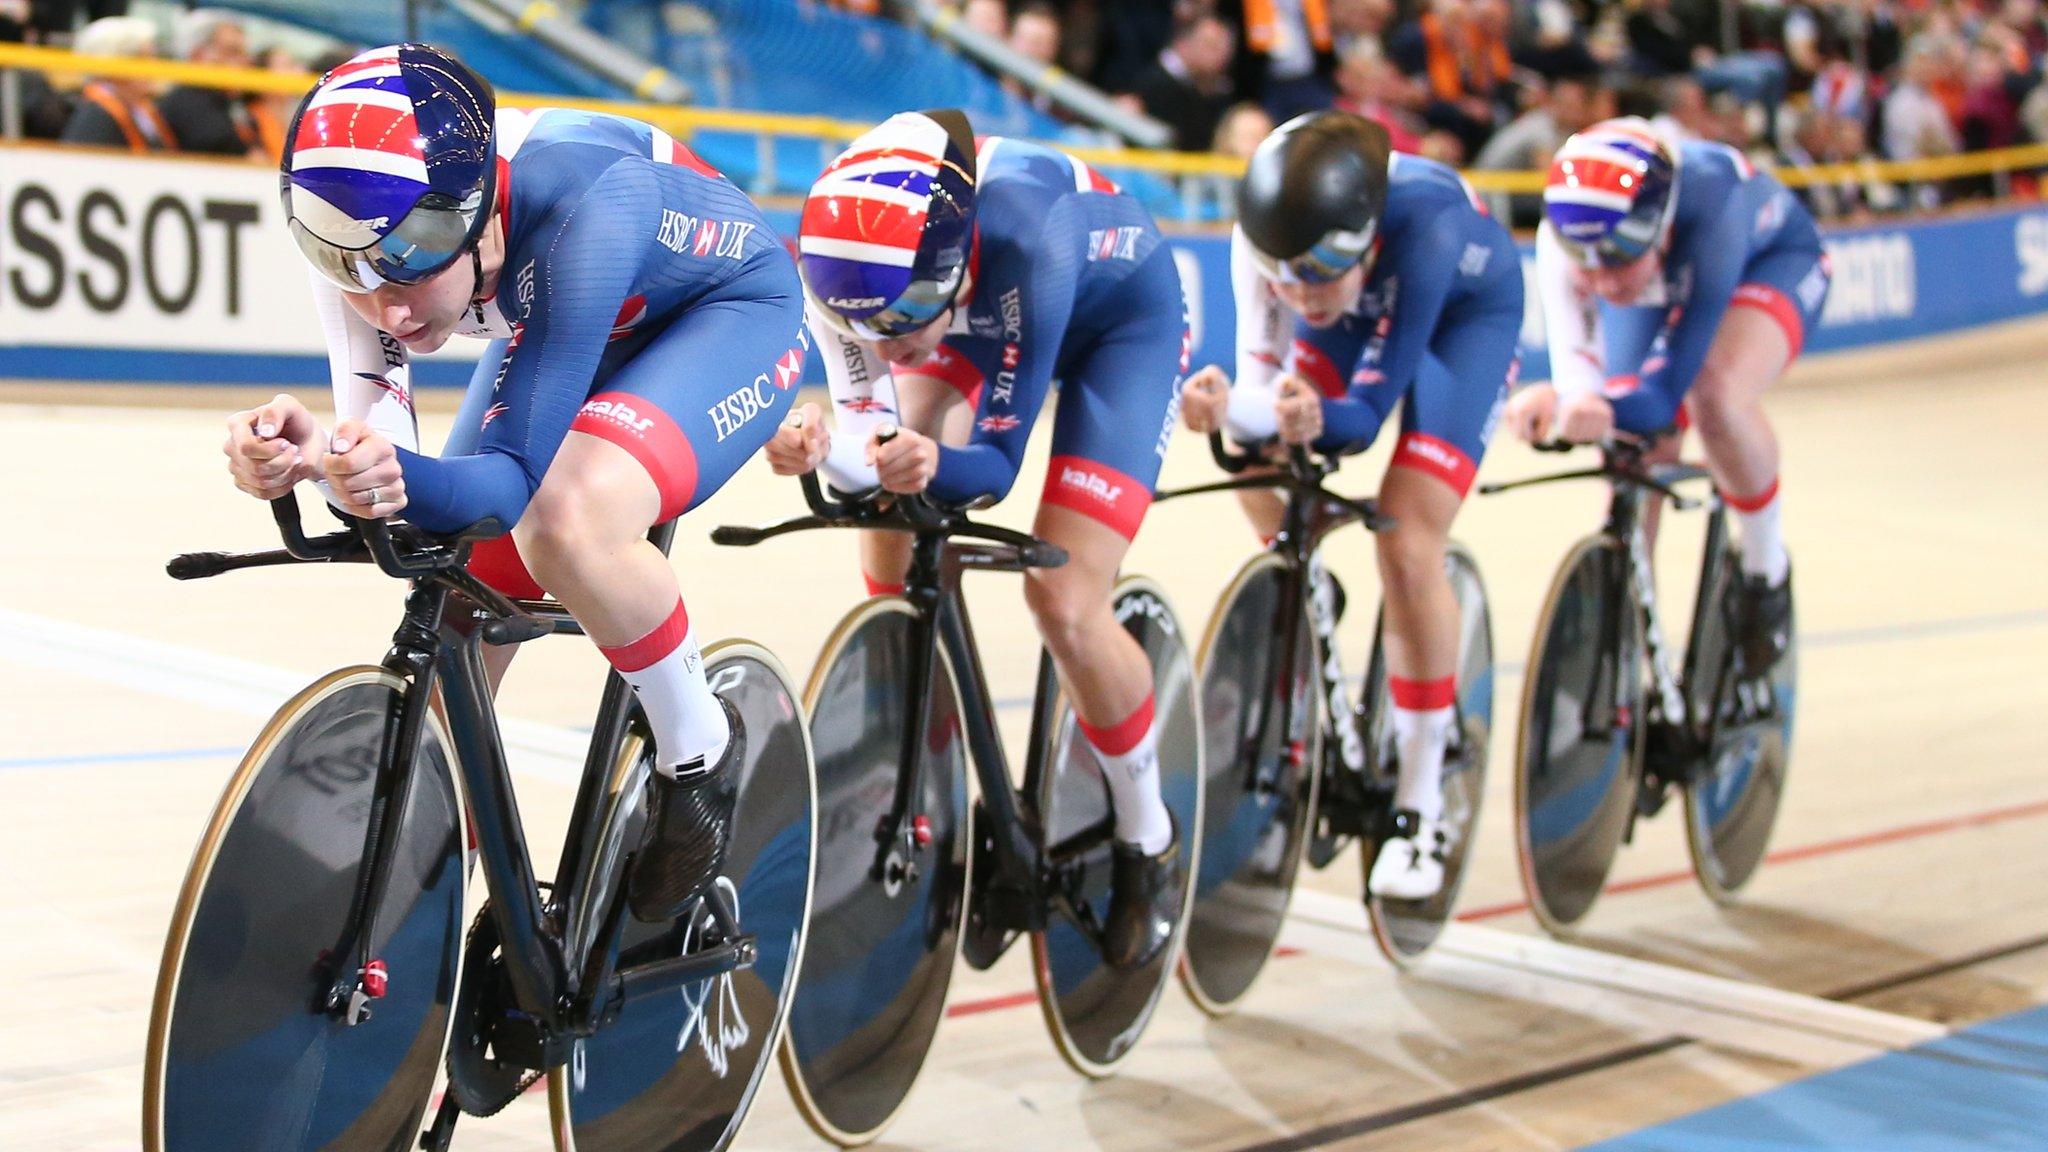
682 121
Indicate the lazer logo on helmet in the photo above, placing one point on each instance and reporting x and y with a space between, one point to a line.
619 412
856 301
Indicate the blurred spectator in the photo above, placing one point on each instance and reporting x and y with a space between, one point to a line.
1244 124
988 17
1569 104
1916 122
1131 34
1035 32
213 120
112 112
1996 79
1660 43
1370 85
1188 86
43 110
1287 55
1554 46
1459 49
13 21
1683 111
51 21
1353 21
2025 19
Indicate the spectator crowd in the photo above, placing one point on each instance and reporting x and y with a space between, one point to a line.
140 115
1481 84
1499 84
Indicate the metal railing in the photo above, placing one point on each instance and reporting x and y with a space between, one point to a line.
1197 177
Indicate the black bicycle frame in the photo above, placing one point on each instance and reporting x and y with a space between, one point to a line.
1026 867
568 984
1311 514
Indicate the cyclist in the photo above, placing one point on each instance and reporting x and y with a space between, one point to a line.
968 275
1363 279
1676 280
646 330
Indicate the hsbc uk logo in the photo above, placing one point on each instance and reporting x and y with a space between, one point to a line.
1113 243
739 409
690 235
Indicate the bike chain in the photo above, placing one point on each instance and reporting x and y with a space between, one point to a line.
492 1097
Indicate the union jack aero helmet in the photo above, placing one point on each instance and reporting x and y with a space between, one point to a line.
883 244
390 167
1609 194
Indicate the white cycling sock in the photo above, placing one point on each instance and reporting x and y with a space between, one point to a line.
1129 754
1763 539
667 673
1422 726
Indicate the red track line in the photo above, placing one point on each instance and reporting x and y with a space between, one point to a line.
1917 831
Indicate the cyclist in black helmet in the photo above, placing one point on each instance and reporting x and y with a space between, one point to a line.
1365 278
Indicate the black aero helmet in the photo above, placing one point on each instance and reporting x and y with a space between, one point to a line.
1312 195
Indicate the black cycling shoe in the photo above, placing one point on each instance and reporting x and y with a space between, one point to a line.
689 824
1763 622
1144 904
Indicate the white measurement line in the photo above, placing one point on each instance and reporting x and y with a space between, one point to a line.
1628 992
177 672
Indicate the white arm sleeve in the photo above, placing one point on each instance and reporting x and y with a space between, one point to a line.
1571 322
1263 327
863 398
370 371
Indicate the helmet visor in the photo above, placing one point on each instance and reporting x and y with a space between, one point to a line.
426 240
1614 250
919 305
1336 254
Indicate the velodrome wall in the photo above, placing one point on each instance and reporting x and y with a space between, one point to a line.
118 268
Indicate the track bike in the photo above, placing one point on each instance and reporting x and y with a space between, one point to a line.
911 870
1297 766
1613 723
319 974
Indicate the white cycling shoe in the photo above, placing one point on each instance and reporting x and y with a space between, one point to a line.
1411 866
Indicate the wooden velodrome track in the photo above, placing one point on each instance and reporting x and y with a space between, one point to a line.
1910 890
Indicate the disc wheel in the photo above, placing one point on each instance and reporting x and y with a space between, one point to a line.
1261 728
876 973
1096 1013
676 1072
241 1053
1405 929
1731 802
1578 755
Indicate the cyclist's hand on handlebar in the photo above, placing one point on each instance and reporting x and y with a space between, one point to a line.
1587 418
362 467
273 447
1204 400
1531 412
1299 411
906 461
800 444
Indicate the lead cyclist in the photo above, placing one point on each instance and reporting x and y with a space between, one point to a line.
646 331
1679 280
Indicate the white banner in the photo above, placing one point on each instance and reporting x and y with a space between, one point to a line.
105 251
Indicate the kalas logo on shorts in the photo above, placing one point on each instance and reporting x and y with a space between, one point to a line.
619 412
1082 480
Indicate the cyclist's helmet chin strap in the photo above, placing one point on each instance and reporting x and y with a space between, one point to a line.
476 262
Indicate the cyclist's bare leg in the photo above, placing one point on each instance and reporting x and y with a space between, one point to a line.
1104 671
1265 508
1749 354
584 538
934 408
1421 629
